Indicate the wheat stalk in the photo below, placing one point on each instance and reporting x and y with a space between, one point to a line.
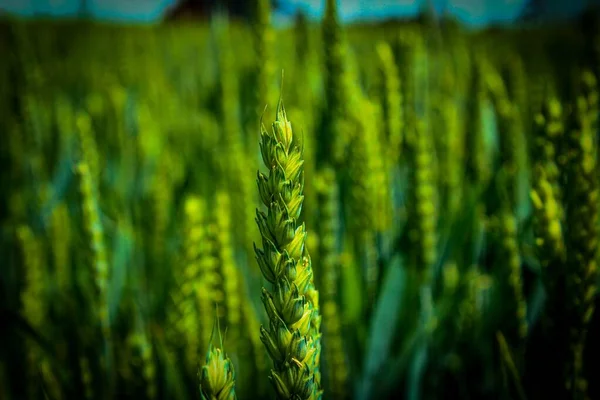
293 336
95 239
424 194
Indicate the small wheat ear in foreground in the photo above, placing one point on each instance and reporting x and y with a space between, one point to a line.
293 338
217 375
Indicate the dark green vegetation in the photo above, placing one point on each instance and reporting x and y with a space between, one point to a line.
449 193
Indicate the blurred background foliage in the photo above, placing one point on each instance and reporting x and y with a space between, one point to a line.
451 201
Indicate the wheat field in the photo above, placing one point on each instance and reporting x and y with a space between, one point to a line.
224 209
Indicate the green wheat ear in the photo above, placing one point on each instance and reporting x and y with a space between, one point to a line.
391 97
337 373
582 226
293 338
217 375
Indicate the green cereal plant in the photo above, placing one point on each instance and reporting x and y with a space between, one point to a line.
509 132
235 172
336 371
227 108
422 73
422 207
185 322
117 100
460 64
293 338
369 200
306 70
508 270
302 40
223 250
143 358
158 130
213 278
35 124
548 229
217 375
450 146
208 292
32 297
455 158
161 197
548 150
545 193
406 48
352 138
197 255
459 313
94 237
366 246
478 169
582 227
391 97
593 113
11 154
334 57
60 237
515 76
88 147
303 59
264 38
205 301
537 87
64 122
475 283
149 140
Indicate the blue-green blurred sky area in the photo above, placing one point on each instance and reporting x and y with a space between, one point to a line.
472 12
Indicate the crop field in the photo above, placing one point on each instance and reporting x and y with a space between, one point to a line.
223 209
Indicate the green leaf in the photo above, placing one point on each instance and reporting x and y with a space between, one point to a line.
397 366
416 372
383 327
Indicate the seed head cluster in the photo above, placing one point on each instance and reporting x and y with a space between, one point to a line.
293 336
